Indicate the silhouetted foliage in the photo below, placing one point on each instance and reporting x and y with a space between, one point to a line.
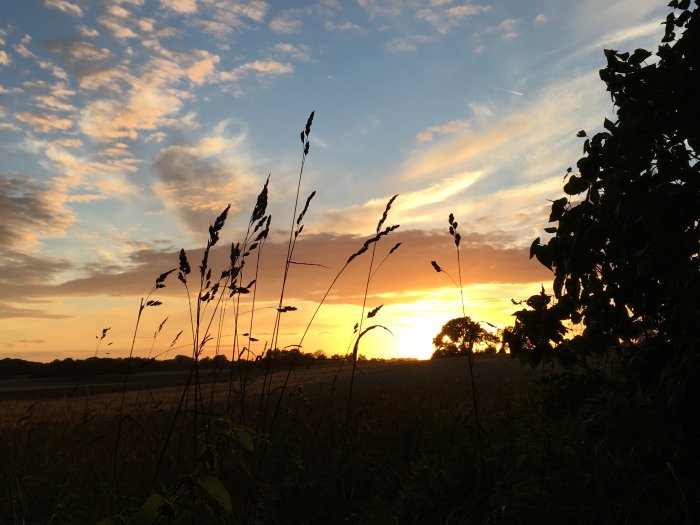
624 251
462 336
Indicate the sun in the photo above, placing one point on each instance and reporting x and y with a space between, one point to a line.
414 336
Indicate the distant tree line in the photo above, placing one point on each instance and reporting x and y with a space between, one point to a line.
13 368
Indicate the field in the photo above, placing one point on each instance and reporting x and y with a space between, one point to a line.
396 454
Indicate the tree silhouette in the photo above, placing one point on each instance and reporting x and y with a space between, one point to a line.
460 336
625 245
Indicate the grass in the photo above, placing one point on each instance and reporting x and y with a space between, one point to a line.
271 438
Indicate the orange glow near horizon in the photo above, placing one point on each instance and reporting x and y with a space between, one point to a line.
413 318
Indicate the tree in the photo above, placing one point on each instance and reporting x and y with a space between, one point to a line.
626 241
460 336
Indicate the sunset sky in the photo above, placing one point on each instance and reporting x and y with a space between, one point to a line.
126 126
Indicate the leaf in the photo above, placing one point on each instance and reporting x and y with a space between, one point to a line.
576 185
216 490
357 342
244 437
533 247
639 56
581 133
150 510
558 209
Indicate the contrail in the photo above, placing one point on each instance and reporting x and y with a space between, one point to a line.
515 92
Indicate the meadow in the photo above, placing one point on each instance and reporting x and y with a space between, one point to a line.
601 427
406 452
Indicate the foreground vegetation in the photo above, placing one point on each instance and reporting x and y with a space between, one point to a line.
605 431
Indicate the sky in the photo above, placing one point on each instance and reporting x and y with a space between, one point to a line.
127 126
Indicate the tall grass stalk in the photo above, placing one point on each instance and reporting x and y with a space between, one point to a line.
294 231
362 312
144 303
457 239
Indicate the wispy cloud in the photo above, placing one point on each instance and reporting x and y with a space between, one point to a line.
152 101
203 66
449 128
263 70
200 179
224 17
345 27
296 51
22 48
506 28
445 18
44 123
377 8
65 6
180 6
407 44
88 32
287 24
30 211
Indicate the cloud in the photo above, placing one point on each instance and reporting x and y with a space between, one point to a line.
44 123
498 173
8 311
30 211
498 136
286 24
449 128
104 79
601 17
491 260
507 28
263 70
374 9
53 103
198 180
79 57
296 51
414 209
541 19
626 34
345 27
150 103
22 48
226 16
68 143
203 66
65 6
4 58
116 18
88 32
407 44
180 6
444 19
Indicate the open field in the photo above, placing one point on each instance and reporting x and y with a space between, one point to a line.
404 450
58 443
